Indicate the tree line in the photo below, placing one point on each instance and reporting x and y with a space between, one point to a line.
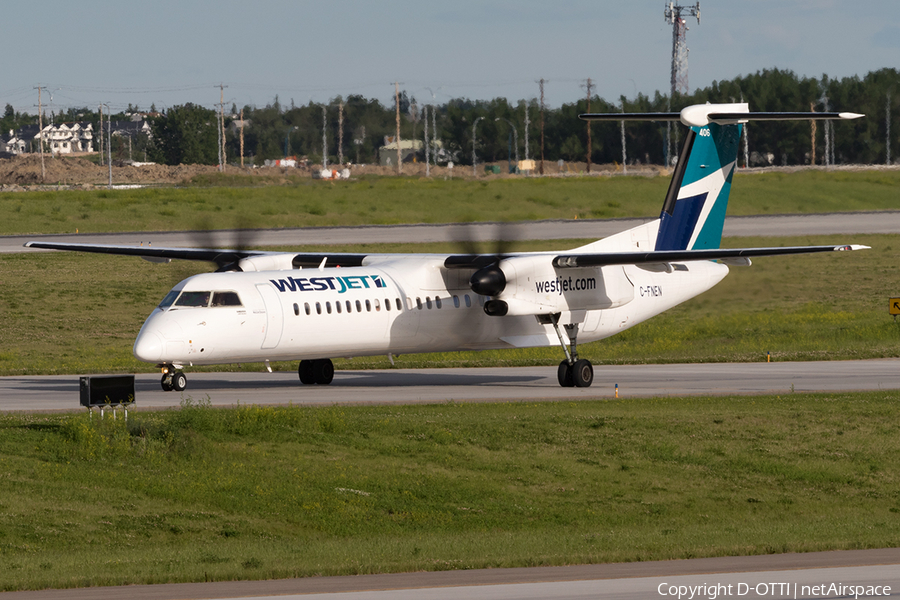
189 133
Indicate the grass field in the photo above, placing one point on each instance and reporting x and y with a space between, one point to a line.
265 492
391 200
74 313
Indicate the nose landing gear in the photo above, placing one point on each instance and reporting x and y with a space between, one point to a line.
173 379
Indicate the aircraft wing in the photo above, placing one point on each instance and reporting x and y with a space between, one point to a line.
225 259
570 261
220 257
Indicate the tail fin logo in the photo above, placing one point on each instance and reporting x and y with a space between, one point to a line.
694 212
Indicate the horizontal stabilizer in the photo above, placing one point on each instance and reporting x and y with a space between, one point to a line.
701 115
572 261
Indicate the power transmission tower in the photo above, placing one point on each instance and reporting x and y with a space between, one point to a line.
397 103
542 126
341 133
427 163
590 89
887 127
221 127
41 132
679 76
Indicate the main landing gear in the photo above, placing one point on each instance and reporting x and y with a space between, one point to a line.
173 379
320 371
572 372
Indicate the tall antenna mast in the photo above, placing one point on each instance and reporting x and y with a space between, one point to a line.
675 16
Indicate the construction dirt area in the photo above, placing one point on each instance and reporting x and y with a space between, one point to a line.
25 172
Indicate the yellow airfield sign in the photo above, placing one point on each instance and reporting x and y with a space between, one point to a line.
894 306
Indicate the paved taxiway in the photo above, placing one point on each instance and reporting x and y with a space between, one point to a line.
780 225
756 576
398 386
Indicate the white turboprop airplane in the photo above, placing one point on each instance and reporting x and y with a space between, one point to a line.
267 306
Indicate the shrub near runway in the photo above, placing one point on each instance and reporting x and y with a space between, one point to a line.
265 492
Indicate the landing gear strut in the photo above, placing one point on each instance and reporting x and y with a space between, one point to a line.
320 371
173 380
572 372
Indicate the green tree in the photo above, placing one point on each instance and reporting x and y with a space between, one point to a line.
185 135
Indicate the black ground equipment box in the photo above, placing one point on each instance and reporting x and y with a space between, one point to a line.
103 390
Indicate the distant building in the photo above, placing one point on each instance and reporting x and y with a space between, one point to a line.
67 138
20 142
410 151
129 128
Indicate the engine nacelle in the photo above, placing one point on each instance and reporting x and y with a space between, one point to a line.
534 286
267 262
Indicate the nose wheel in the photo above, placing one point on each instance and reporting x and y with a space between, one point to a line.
173 381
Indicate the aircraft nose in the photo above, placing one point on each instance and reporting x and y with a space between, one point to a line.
148 347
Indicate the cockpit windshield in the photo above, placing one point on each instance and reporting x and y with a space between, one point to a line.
225 299
195 299
169 299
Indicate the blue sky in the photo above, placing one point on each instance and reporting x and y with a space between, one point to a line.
169 52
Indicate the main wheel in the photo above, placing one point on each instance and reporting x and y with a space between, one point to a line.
305 370
179 381
323 370
564 374
166 383
583 373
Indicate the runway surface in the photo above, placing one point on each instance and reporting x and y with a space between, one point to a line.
771 576
780 225
402 386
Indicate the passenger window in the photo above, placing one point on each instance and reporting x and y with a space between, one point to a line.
456 301
387 304
437 302
428 302
368 306
306 307
193 299
328 307
399 307
419 303
468 301
337 305
318 308
169 299
358 306
377 305
296 309
349 307
225 299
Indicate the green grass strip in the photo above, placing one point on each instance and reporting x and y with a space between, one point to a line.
258 492
304 202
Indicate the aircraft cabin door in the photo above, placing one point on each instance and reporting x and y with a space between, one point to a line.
274 315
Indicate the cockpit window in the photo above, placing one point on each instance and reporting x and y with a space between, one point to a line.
169 299
193 299
225 299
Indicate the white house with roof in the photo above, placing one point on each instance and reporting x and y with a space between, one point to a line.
67 138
